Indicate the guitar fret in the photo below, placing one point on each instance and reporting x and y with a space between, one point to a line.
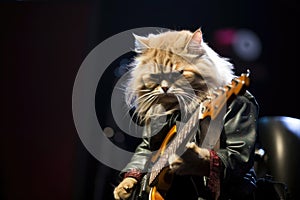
172 148
189 127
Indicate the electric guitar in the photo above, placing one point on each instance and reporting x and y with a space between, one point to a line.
159 179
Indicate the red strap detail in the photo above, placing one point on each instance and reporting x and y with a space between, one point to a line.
134 173
214 174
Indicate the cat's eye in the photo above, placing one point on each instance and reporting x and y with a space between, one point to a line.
155 77
150 80
151 77
189 75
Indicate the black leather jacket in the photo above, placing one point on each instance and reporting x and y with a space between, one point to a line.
236 151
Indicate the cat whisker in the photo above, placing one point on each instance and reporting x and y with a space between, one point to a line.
182 102
121 89
148 94
144 90
196 92
188 101
145 103
135 91
191 97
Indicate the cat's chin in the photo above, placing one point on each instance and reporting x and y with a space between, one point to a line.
168 103
167 99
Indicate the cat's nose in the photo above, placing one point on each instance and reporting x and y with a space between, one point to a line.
165 89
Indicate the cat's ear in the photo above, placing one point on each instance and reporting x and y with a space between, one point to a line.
141 43
195 41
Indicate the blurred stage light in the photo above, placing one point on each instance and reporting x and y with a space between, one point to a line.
247 45
109 132
244 43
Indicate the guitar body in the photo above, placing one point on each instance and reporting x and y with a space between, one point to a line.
155 195
163 184
164 179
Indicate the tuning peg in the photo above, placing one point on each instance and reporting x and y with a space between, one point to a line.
248 73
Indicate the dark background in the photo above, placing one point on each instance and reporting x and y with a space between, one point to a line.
43 44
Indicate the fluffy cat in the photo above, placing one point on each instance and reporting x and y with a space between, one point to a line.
174 70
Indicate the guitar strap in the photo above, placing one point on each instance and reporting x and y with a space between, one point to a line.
212 134
214 126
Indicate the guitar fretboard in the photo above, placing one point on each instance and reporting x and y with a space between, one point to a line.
174 145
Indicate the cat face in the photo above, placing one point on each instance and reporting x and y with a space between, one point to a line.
165 78
174 70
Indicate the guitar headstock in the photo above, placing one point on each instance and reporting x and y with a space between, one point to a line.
214 104
244 78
